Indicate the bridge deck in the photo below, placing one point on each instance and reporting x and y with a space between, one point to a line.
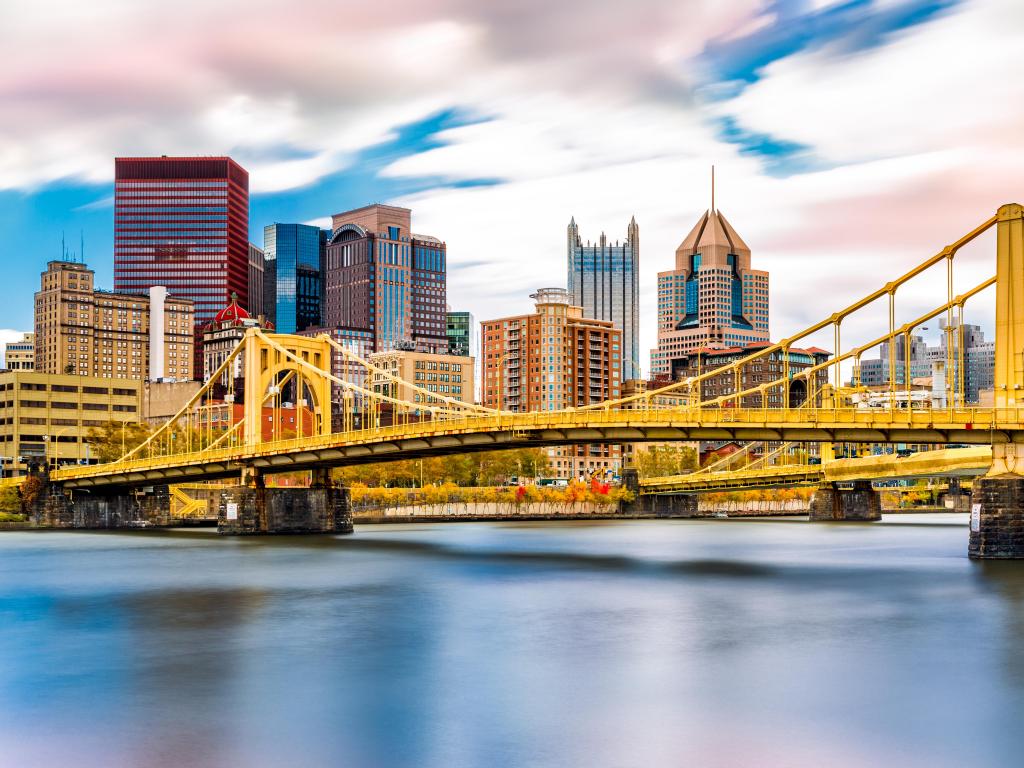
949 462
477 433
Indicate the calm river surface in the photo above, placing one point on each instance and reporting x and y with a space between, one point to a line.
643 643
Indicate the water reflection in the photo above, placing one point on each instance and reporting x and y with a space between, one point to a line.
611 644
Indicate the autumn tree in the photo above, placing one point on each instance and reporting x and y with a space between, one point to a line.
112 440
665 460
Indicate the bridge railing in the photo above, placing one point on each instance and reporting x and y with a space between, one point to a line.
975 425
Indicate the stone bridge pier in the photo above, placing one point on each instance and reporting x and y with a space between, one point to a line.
658 505
861 503
252 508
55 507
997 519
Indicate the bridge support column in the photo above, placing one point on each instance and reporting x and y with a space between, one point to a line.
997 508
997 503
859 504
256 509
56 508
673 505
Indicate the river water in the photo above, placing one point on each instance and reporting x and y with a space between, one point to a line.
639 643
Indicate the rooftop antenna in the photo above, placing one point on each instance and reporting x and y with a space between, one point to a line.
63 247
712 189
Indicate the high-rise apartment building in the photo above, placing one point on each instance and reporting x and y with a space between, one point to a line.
293 256
90 332
381 277
554 358
21 355
712 297
603 279
256 272
183 223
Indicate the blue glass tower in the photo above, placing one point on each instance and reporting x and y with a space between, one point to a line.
292 288
603 280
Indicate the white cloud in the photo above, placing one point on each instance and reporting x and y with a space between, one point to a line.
589 111
945 84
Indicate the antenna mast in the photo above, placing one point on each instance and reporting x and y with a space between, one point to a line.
712 189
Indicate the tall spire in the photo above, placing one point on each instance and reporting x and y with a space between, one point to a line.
712 188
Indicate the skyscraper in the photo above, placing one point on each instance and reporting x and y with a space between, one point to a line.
182 222
255 281
380 277
292 289
712 298
603 280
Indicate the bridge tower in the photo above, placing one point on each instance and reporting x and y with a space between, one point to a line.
997 510
268 370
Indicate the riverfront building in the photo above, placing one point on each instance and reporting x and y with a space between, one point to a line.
762 371
713 298
82 330
447 375
293 256
382 278
603 279
21 355
44 417
552 359
183 223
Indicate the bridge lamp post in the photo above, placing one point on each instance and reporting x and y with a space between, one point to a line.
46 444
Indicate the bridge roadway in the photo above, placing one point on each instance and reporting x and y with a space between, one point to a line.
945 462
490 432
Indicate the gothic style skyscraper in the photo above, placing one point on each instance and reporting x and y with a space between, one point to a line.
712 298
603 280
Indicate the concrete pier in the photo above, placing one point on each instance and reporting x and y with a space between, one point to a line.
57 508
861 503
997 519
253 509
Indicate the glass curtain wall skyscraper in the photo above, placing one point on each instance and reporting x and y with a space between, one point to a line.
292 286
183 223
380 277
603 279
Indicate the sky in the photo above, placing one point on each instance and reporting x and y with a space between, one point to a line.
851 139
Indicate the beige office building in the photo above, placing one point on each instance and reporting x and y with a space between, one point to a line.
45 417
21 355
90 332
447 375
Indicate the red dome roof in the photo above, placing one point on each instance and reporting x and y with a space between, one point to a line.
232 312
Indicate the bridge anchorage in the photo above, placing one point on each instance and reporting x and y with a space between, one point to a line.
348 411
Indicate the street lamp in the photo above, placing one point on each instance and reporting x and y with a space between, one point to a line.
47 441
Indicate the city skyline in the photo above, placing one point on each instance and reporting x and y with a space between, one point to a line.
799 170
